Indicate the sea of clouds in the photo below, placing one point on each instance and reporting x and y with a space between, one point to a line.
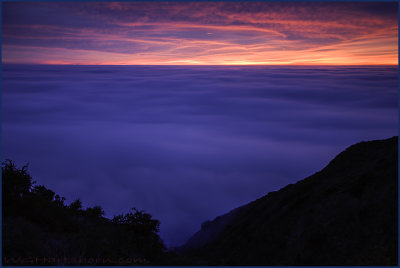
187 143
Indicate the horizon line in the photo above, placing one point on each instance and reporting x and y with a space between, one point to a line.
67 64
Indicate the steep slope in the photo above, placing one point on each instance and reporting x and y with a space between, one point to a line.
345 214
210 230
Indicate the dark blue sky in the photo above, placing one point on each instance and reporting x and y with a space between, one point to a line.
187 143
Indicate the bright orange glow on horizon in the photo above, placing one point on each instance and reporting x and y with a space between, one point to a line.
199 34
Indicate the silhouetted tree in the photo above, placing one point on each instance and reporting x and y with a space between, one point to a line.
95 211
76 205
16 183
138 220
59 201
44 193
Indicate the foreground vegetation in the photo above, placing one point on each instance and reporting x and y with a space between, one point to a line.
39 228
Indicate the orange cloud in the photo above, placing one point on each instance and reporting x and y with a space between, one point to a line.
290 35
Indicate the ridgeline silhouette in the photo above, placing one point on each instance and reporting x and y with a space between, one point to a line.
346 214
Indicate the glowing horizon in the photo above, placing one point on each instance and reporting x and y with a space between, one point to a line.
197 33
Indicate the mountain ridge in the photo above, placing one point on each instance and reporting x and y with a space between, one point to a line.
352 208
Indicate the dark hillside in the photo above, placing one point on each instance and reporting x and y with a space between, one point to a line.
39 229
346 214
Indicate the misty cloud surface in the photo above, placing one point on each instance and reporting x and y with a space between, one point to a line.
187 143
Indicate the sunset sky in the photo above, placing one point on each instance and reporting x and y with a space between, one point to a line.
200 33
189 143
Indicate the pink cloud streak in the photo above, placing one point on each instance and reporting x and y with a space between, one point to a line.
286 36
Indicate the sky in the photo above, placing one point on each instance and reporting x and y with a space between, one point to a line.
200 33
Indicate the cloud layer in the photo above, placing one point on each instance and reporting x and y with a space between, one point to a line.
187 143
227 33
